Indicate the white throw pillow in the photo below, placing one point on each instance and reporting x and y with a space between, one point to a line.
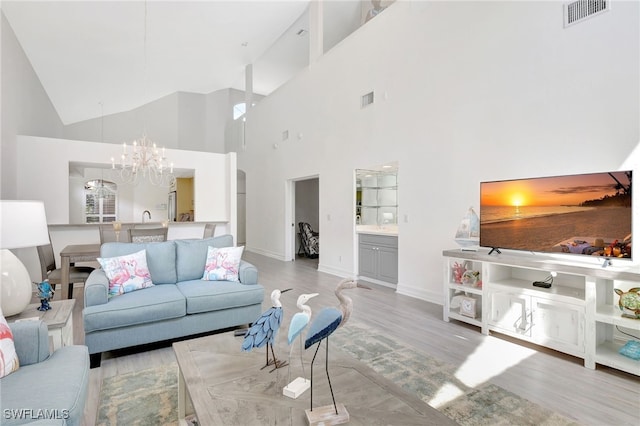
223 264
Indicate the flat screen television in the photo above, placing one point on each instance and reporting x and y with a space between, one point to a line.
585 214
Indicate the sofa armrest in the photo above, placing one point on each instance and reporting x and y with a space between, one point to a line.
31 339
96 289
248 274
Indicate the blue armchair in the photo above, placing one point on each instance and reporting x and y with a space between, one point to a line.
47 388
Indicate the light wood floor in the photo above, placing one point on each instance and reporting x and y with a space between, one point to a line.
554 380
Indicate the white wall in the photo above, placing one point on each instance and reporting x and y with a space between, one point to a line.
214 176
464 92
181 120
26 108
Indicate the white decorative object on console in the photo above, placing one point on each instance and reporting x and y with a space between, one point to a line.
23 224
468 306
468 233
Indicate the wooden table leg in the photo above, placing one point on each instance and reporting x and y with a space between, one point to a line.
185 408
65 260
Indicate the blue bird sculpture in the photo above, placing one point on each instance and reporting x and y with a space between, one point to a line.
264 330
326 322
299 321
45 293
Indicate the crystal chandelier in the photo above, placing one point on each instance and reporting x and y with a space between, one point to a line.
102 191
145 161
99 189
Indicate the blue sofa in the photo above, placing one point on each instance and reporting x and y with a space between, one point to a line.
179 304
47 389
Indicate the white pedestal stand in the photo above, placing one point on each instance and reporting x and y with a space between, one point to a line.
326 415
296 387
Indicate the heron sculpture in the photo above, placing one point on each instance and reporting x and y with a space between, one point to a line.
326 322
264 330
299 321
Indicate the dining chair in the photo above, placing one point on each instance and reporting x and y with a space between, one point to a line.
77 274
209 230
148 235
109 235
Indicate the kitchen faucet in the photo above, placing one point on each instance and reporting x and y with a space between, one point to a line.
147 212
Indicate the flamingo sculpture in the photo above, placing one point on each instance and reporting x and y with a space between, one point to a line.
264 330
298 323
326 322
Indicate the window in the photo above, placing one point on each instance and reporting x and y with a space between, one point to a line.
239 110
100 201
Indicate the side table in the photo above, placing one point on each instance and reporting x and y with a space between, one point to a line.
59 319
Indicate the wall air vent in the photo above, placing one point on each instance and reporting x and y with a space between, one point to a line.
366 100
580 10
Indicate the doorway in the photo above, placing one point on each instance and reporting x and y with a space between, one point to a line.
304 196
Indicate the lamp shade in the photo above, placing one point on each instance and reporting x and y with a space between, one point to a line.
22 224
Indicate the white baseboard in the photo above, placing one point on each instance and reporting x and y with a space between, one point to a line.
420 294
342 273
267 253
378 282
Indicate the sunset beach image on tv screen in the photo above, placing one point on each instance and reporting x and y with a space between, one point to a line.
588 214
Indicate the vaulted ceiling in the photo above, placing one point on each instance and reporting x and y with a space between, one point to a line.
123 54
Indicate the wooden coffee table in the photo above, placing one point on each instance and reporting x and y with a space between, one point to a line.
222 385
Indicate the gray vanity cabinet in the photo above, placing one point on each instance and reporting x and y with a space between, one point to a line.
378 257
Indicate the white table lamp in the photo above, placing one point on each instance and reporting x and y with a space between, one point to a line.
22 224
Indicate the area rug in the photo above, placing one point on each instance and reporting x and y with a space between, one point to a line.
142 398
149 397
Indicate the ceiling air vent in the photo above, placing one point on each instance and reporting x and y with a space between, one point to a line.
580 10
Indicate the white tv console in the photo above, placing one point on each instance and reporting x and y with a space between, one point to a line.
578 315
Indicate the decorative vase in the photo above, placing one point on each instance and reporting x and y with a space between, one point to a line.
468 234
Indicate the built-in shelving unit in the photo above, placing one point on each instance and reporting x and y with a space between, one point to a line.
577 315
376 197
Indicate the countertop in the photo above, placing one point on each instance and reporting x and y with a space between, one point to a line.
132 224
391 230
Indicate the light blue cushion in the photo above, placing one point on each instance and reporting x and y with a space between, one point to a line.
148 305
161 258
191 255
31 339
56 384
248 273
205 296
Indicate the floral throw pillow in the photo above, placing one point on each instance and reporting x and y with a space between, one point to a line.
222 264
8 355
126 273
